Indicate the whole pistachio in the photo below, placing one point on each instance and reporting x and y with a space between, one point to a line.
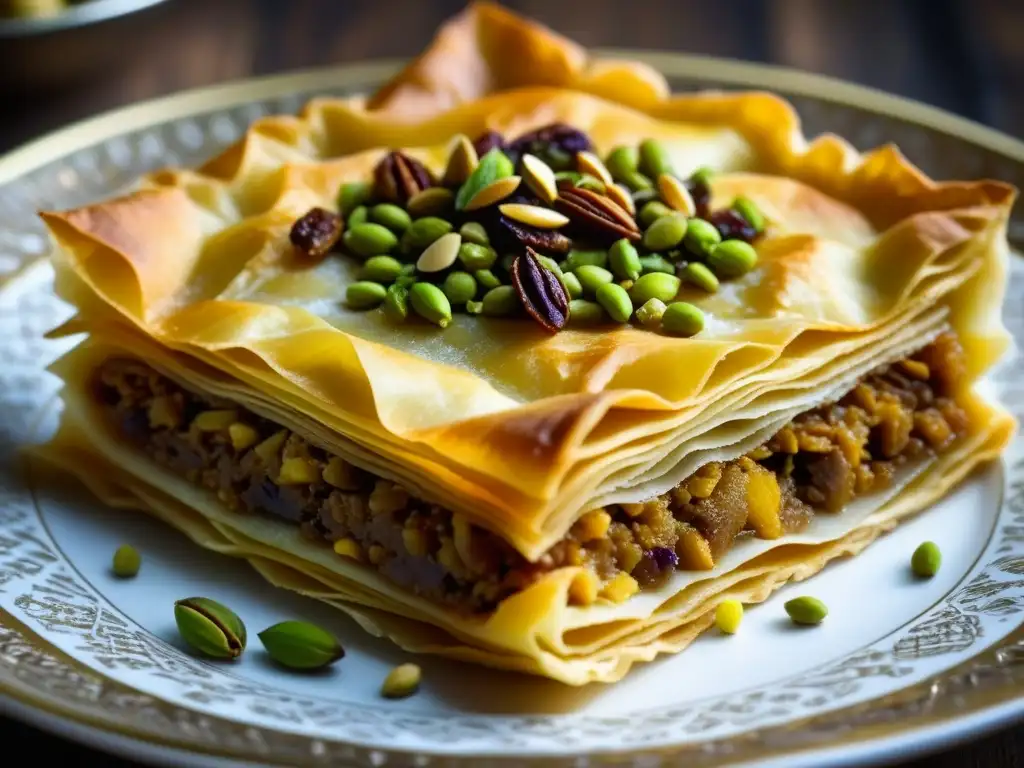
591 277
655 285
364 294
353 195
572 285
487 279
666 232
391 216
732 258
806 610
430 303
126 561
301 645
381 269
583 312
579 258
697 274
638 183
926 560
701 237
615 300
682 319
424 232
210 627
652 211
360 215
624 260
622 161
474 232
748 209
474 256
655 262
500 301
654 158
459 287
369 239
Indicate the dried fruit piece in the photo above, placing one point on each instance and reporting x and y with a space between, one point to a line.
316 232
518 235
540 292
597 213
397 177
485 142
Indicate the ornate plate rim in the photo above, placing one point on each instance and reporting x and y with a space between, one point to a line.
872 742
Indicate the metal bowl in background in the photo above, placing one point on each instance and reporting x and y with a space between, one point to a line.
90 37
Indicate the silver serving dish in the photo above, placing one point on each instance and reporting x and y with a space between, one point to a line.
91 36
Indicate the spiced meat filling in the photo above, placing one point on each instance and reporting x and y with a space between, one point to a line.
816 464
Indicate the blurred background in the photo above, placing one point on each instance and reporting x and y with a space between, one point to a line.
966 56
58 66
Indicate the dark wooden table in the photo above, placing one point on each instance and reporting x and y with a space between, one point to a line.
966 56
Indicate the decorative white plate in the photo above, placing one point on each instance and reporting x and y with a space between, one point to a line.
899 666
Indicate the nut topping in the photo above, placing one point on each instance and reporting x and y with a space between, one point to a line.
316 232
597 213
398 177
540 291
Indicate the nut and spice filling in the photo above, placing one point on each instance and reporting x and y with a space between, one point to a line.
538 227
816 464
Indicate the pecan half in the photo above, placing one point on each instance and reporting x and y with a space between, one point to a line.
398 177
596 213
541 292
316 232
485 142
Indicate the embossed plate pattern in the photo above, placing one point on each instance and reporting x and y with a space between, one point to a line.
76 651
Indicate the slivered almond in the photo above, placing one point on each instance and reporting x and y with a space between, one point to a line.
588 162
676 195
534 215
494 192
621 195
540 178
462 160
440 254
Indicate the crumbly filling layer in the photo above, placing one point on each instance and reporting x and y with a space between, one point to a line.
815 465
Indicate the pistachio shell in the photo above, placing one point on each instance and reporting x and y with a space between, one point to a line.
676 195
534 215
440 254
492 167
301 645
210 627
493 192
462 161
540 178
